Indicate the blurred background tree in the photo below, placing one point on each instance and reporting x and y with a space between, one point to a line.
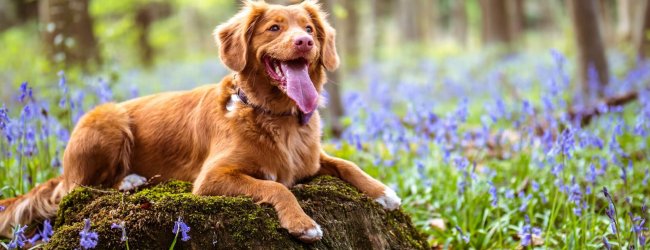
154 45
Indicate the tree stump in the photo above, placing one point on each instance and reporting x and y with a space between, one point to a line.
349 219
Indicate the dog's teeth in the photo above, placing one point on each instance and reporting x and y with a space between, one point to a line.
277 70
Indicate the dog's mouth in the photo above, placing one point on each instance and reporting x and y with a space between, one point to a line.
293 79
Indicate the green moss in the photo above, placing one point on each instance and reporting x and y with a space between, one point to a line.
349 219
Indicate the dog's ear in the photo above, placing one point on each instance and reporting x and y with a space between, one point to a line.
325 34
234 36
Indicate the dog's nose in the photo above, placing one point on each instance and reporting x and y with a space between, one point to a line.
303 43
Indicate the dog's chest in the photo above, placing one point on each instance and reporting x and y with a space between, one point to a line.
295 155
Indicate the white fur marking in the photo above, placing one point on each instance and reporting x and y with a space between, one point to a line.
271 177
231 104
314 233
131 182
389 200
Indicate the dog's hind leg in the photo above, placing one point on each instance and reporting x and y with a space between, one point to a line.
98 154
99 151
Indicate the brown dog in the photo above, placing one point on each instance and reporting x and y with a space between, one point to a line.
255 134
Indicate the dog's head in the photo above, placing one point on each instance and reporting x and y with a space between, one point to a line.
285 47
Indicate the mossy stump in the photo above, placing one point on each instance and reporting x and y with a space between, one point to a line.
349 219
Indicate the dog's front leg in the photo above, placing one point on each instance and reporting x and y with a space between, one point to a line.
351 173
232 182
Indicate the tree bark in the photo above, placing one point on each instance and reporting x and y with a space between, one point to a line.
144 17
495 22
334 109
642 42
8 15
624 28
459 21
348 219
67 31
517 18
606 18
591 51
416 18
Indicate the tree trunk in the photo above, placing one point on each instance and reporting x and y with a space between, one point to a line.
349 219
67 31
517 18
591 52
495 22
605 8
382 12
144 17
624 28
416 20
459 21
334 109
8 15
642 42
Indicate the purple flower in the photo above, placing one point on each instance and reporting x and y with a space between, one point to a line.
493 194
2 208
64 89
25 92
19 238
122 227
611 211
606 243
638 227
510 194
524 201
43 235
535 186
527 232
88 238
462 234
180 226
592 174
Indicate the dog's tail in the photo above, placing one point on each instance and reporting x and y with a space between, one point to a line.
39 203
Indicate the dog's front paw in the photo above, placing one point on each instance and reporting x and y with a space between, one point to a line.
304 229
389 200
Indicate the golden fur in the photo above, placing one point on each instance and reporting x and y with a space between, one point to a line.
193 136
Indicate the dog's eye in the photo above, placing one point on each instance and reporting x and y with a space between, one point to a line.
274 27
309 29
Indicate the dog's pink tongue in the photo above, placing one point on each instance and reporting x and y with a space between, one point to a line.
299 86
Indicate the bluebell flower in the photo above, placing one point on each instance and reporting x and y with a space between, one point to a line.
64 90
19 239
493 194
25 92
611 211
462 234
535 186
638 228
623 174
104 92
557 169
510 194
180 226
44 234
88 239
606 243
121 226
592 174
524 201
527 232
2 208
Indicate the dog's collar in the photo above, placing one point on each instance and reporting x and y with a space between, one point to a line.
240 96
